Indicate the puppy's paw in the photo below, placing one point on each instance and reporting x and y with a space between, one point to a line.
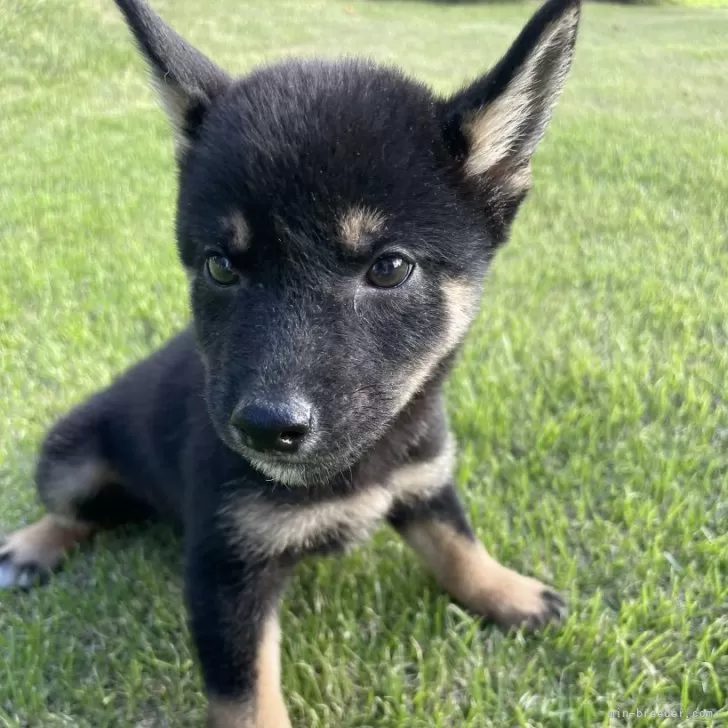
517 601
19 574
480 583
29 556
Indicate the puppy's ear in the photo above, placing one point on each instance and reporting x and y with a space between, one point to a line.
493 126
187 82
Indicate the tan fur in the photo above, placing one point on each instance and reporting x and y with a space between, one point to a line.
267 709
72 482
239 232
44 543
273 529
358 222
422 480
279 472
229 714
494 131
466 570
519 180
270 710
175 105
461 300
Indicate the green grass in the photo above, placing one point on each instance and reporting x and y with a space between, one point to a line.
700 3
590 403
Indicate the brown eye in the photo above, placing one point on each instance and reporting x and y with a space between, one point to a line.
221 270
389 271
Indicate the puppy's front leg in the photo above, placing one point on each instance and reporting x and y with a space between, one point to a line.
438 531
233 606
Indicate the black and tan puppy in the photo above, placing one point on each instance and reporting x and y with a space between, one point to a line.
336 220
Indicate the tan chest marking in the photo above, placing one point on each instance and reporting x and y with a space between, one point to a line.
272 529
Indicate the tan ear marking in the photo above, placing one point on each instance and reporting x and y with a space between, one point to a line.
175 105
499 146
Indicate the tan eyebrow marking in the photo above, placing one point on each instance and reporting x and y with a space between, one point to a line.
239 232
356 223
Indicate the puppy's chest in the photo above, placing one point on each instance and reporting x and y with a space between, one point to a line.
260 525
272 529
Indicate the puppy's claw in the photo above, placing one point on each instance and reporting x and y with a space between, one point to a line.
31 575
7 575
30 555
553 597
556 604
22 576
527 603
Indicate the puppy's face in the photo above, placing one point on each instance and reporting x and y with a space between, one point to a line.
333 261
336 221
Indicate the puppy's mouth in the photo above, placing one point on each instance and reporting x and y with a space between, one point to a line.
294 470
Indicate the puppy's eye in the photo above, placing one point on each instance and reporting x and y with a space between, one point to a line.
389 271
221 270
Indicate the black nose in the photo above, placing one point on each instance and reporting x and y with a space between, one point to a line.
279 426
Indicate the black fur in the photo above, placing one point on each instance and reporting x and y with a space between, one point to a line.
444 506
271 168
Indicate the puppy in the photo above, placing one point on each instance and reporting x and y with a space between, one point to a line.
336 220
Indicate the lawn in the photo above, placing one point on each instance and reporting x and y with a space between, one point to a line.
590 402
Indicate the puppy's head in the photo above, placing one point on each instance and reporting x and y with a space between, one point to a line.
336 221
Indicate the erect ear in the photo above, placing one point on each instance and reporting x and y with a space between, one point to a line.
494 125
187 82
